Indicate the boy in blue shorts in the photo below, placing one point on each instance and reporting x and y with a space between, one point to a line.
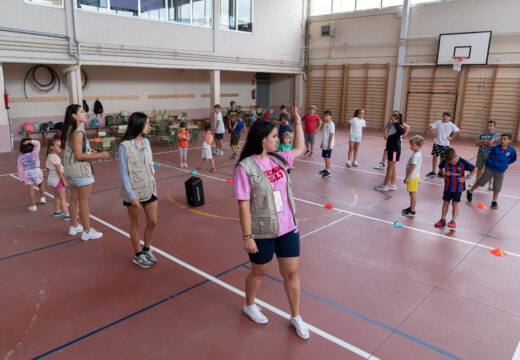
452 168
497 163
485 142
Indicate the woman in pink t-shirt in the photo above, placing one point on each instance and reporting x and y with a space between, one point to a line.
263 188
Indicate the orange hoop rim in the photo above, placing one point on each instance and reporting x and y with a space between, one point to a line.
458 58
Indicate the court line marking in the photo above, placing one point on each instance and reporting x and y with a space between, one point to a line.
516 355
398 177
233 289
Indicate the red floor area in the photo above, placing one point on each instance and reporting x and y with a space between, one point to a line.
368 287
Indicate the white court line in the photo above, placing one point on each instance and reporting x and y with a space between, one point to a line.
233 289
398 177
8 174
516 355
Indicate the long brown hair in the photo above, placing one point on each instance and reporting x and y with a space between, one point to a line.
69 123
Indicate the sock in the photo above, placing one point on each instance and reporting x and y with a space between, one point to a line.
146 248
138 253
444 218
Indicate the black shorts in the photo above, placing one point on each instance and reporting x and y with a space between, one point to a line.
393 154
150 200
235 138
451 196
439 150
219 136
287 245
326 153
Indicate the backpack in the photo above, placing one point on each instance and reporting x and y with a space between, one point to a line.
27 128
36 126
109 120
44 126
85 106
51 125
98 108
58 125
95 123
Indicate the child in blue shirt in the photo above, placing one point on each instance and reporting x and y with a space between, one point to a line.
235 135
452 168
485 142
497 163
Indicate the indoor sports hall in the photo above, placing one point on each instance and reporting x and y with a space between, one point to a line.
139 220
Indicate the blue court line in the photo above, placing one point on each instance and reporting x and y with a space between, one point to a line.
38 249
134 313
364 317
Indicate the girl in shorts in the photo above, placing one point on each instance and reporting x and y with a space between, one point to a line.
56 179
393 149
29 169
268 214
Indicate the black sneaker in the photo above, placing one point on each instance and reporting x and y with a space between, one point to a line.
327 174
431 174
408 212
439 175
494 205
469 195
323 171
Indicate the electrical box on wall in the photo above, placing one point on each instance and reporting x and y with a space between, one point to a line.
326 31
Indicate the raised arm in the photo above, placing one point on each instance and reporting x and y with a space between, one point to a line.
298 145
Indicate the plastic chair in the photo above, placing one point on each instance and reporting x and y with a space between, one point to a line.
171 138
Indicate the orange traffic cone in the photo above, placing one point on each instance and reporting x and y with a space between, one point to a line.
329 206
481 206
229 181
498 252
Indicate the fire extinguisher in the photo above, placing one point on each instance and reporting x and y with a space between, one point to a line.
253 94
6 99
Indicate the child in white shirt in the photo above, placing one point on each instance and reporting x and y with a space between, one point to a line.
327 142
357 123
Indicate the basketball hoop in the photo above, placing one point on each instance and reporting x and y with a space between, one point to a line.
457 62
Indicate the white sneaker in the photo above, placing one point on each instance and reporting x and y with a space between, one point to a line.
43 200
253 312
74 230
392 187
300 327
91 235
220 152
348 163
381 188
215 151
379 166
490 187
33 208
355 163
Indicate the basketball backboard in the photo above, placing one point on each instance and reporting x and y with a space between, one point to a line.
473 45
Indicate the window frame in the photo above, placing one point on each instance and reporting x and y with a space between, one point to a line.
381 7
236 12
45 3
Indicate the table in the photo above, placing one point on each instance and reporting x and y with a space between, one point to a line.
100 145
201 123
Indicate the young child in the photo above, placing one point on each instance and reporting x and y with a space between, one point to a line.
452 168
413 171
357 123
206 149
284 125
499 159
238 127
183 136
286 141
56 179
283 110
381 165
29 169
393 150
485 142
232 116
310 120
219 130
327 142
446 131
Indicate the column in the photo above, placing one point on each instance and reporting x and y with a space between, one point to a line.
73 74
401 57
5 133
214 81
298 91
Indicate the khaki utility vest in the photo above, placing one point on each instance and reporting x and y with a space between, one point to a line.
72 167
264 219
141 172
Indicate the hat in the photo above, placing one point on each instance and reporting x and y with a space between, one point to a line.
312 107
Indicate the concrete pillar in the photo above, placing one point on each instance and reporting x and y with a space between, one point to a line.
401 57
299 91
214 84
73 73
5 133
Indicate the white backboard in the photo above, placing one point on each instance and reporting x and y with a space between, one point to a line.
473 45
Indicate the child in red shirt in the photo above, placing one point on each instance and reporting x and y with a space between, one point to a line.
183 136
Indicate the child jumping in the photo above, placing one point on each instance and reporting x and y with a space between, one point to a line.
327 142
446 131
206 149
393 149
183 136
485 142
413 171
357 123
238 127
29 169
452 168
499 159
56 179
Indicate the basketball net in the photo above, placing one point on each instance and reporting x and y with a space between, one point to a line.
457 62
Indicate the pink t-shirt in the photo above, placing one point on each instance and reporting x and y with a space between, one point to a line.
52 161
278 179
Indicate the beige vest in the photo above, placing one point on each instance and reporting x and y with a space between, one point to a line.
264 220
141 172
72 167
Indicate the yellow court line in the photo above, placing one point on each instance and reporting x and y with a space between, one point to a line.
211 215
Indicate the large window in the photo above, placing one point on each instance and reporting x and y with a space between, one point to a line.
54 3
236 15
195 12
324 7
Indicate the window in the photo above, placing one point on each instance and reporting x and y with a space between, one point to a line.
54 3
180 11
324 7
202 13
236 15
344 5
124 7
153 9
368 4
388 3
99 5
